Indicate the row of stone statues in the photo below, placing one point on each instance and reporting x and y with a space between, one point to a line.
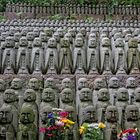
66 53
33 104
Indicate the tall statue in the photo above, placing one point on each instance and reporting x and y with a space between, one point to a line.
27 129
51 57
7 131
92 57
44 40
37 57
8 59
2 89
65 55
133 59
22 60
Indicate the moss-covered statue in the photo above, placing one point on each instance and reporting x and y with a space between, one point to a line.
27 129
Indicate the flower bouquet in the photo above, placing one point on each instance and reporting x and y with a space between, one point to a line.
56 125
128 134
92 131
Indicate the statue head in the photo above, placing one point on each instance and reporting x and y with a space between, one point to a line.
16 83
45 111
92 43
99 83
132 113
60 32
43 37
67 95
64 42
37 42
82 83
56 36
72 32
131 82
49 83
83 31
85 95
36 32
114 82
9 42
9 96
111 114
92 35
137 94
79 35
29 95
103 94
105 42
2 85
68 35
89 114
122 94
23 41
132 43
3 36
119 42
48 95
118 35
66 83
48 31
6 115
34 83
79 42
52 43
30 36
27 115
17 36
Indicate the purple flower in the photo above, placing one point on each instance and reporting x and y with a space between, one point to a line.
50 115
131 137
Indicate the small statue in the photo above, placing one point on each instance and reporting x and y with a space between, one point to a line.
37 57
65 55
133 59
69 37
44 40
120 57
92 57
111 116
7 131
35 85
22 63
66 98
8 59
29 100
48 98
131 85
51 57
2 89
106 56
79 63
137 97
30 37
66 83
27 129
17 37
85 97
113 86
102 103
121 103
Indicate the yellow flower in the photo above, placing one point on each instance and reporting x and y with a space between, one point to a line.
70 122
82 130
101 125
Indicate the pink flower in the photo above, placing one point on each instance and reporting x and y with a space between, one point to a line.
63 114
42 129
59 123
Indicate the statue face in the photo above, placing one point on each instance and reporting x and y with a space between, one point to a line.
36 32
44 114
23 41
2 85
9 96
64 42
137 94
56 36
43 37
17 36
30 36
114 82
122 94
72 32
52 42
66 83
37 42
48 95
5 115
103 94
133 43
29 95
105 42
27 115
92 43
82 83
89 114
60 32
48 31
49 83
4 35
16 83
85 94
79 35
79 42
131 82
132 113
34 84
68 35
9 42
111 114
119 42
99 83
67 95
